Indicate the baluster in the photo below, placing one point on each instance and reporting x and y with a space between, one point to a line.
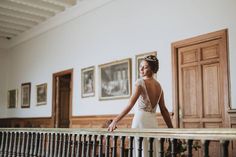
73 143
35 144
24 135
131 146
224 148
14 144
68 145
39 145
89 146
59 145
94 145
2 142
206 148
27 143
161 147
48 145
150 147
84 146
51 144
47 153
114 146
20 138
31 143
140 149
107 146
44 144
100 146
189 148
63 145
5 152
10 145
78 152
55 145
122 147
173 144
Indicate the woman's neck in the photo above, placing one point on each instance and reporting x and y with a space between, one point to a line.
148 77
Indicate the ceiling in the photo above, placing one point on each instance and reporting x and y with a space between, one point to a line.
18 16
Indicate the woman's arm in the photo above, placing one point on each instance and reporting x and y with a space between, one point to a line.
164 112
130 105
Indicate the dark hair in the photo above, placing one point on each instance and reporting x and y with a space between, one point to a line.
153 62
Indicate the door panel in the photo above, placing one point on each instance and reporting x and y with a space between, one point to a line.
190 97
211 91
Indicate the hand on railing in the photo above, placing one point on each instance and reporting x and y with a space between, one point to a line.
112 126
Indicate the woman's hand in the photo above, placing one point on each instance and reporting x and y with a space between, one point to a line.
112 126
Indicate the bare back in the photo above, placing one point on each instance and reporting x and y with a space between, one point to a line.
153 90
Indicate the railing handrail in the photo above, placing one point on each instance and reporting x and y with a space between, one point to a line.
177 133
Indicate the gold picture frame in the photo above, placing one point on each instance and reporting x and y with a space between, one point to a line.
12 98
88 82
41 94
25 95
138 59
115 80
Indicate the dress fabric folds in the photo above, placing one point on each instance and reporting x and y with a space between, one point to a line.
145 118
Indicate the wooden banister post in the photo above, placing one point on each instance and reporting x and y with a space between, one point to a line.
161 147
150 147
206 148
224 148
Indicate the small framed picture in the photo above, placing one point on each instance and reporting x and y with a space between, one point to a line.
115 80
138 60
12 98
41 94
25 95
88 82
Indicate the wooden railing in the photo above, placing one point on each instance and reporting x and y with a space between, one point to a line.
40 142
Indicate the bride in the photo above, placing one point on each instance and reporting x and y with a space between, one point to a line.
147 95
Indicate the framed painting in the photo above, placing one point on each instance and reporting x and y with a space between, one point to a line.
25 95
138 60
12 98
115 80
41 94
88 82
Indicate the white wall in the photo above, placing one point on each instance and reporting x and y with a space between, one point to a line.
118 30
3 83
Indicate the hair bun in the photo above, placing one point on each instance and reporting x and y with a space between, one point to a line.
153 62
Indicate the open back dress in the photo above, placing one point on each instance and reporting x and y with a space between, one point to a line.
145 117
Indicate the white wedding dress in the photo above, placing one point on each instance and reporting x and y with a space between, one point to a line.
145 117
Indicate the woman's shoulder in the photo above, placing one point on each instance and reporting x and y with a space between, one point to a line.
157 83
139 81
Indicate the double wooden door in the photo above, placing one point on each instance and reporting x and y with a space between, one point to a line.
201 102
201 82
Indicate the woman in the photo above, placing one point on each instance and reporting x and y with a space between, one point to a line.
148 94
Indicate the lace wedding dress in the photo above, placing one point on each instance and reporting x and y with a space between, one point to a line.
145 117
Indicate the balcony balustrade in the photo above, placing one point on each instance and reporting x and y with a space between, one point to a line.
55 142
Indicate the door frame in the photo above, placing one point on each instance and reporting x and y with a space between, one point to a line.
55 75
221 34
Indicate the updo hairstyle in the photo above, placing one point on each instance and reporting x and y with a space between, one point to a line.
153 62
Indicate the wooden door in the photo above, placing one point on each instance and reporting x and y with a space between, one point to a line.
201 96
62 96
201 83
64 101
